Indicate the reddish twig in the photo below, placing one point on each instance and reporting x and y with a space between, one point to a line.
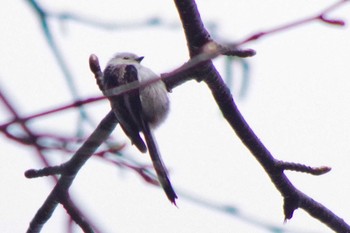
318 17
75 104
143 171
33 139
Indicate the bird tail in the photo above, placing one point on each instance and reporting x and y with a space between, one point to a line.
158 164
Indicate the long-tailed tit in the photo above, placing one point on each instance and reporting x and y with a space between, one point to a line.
139 110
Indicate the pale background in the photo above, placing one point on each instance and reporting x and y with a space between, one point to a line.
297 103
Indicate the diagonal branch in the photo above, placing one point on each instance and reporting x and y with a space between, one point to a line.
293 198
195 32
32 137
69 171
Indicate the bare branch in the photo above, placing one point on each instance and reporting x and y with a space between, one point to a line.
302 168
71 168
318 17
76 215
293 198
47 171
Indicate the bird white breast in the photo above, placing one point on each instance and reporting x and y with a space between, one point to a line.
154 98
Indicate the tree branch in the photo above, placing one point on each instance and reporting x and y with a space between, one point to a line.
69 171
201 49
197 37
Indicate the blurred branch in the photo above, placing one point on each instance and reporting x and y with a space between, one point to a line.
75 104
43 19
149 22
32 138
230 63
43 141
236 212
322 17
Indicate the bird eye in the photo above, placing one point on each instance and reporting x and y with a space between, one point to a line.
126 58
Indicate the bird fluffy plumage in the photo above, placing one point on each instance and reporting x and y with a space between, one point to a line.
139 110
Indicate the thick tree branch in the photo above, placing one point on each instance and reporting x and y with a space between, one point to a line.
196 34
68 173
76 215
197 37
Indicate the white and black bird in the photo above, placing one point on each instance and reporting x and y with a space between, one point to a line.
139 110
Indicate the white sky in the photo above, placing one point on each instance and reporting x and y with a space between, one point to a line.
298 104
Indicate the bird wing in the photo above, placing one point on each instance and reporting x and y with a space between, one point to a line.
122 104
128 110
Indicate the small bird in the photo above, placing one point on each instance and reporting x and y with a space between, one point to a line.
139 110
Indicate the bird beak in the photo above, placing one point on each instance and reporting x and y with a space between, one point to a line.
139 59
